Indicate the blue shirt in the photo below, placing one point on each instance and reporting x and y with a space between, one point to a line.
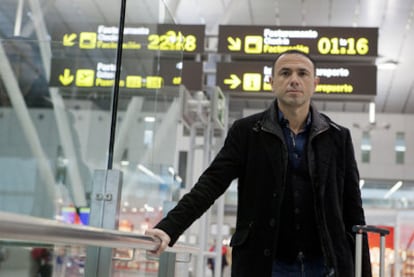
295 143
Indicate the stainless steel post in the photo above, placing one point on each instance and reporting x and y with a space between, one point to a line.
105 204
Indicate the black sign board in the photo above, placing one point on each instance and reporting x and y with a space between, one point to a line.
253 77
188 39
316 41
135 74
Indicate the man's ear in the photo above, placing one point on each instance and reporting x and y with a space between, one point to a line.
316 81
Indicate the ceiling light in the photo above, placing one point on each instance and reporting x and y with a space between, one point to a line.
372 112
149 173
387 65
149 119
393 189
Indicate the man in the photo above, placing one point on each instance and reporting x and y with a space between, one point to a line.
298 186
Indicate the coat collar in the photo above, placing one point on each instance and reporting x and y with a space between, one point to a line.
320 123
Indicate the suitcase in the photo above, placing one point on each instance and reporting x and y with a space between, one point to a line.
359 230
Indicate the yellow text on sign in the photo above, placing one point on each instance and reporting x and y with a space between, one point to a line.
172 41
87 40
176 80
133 81
253 44
252 81
85 78
154 82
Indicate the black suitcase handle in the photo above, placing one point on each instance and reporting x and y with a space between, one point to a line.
370 229
359 230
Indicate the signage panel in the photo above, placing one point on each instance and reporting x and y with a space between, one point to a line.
136 74
316 41
161 37
253 77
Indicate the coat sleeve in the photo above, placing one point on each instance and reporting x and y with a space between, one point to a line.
212 183
353 210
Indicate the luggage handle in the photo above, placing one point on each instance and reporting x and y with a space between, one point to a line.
359 230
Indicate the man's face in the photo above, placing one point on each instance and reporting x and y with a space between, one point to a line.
294 80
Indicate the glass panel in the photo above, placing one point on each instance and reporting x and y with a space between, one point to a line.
148 115
54 104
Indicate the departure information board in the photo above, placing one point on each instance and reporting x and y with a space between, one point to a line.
158 37
136 74
317 41
341 79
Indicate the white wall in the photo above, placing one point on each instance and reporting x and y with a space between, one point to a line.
382 164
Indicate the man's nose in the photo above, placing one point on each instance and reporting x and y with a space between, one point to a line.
294 79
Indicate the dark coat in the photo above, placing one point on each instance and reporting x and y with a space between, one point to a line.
254 152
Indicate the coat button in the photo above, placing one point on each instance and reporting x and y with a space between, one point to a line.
266 252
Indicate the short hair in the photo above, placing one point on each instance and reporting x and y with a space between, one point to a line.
293 51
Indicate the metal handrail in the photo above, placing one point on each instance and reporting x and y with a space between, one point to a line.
17 227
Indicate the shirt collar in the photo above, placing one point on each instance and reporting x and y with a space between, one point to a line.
284 122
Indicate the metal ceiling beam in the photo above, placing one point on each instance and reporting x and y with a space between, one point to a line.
170 6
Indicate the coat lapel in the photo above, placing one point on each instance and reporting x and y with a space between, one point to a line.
319 142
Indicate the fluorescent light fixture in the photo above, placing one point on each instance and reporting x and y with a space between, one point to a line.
372 112
171 170
149 173
361 183
149 119
366 147
178 179
400 148
393 189
387 65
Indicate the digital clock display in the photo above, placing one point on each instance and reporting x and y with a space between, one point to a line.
343 46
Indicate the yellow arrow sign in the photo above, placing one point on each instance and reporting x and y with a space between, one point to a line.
68 39
234 44
233 82
66 78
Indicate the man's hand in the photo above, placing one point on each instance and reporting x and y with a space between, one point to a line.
162 236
